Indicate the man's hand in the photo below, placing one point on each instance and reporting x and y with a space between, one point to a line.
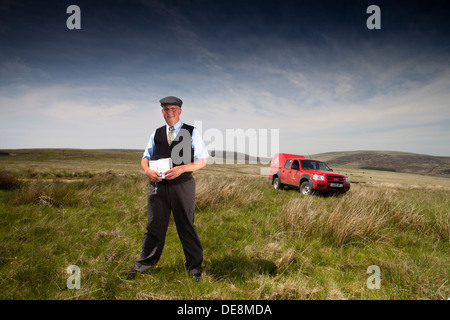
191 167
174 172
153 175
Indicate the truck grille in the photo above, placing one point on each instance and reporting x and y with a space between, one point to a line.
335 179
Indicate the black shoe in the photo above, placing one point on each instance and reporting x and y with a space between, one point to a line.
196 275
131 274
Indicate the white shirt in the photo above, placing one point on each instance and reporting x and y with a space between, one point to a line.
200 151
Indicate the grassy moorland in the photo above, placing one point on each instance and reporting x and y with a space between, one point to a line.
88 208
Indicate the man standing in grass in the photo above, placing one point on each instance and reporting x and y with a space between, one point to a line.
172 191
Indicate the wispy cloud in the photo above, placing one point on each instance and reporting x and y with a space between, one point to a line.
70 116
66 110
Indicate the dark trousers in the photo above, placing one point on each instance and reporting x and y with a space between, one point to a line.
180 200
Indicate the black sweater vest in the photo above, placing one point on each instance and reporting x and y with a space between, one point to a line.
181 144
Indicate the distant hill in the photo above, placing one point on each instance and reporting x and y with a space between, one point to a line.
388 160
371 160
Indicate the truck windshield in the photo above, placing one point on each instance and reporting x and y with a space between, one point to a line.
314 165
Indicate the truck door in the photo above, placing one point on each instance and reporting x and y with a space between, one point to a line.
285 172
293 173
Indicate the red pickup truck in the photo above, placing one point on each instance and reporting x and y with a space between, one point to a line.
308 175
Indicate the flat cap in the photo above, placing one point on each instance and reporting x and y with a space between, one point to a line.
171 100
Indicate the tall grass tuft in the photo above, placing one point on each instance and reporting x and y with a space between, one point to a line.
72 193
216 191
359 215
53 194
442 226
8 181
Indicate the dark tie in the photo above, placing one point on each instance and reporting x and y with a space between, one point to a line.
171 137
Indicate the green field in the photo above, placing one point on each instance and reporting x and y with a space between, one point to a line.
88 208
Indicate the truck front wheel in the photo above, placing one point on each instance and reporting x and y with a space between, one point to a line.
305 188
277 183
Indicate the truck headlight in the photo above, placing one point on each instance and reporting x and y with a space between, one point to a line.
347 180
318 177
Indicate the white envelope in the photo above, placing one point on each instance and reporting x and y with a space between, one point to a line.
161 165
